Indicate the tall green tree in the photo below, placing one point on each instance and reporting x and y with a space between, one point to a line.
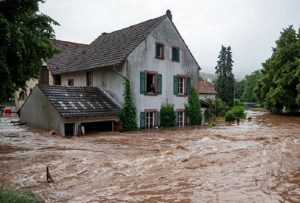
279 86
24 43
193 108
224 83
239 89
128 110
251 86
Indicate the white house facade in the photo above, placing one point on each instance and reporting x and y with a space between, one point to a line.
160 68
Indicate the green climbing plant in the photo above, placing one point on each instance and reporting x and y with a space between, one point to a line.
128 110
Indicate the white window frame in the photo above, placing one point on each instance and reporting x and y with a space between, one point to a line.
180 118
150 119
181 82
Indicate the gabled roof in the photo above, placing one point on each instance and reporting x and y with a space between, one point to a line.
205 87
68 50
112 48
79 101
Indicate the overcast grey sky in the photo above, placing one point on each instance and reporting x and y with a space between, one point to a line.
250 27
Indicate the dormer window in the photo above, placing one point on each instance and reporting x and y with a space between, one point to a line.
175 54
159 51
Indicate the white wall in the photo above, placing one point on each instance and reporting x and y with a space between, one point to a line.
143 58
38 111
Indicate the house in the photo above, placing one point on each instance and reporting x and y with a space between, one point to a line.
206 90
67 109
152 55
47 74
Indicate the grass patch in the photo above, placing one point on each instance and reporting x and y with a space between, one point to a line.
17 196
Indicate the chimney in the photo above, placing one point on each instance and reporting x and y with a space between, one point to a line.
169 14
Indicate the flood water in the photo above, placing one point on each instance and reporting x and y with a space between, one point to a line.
256 161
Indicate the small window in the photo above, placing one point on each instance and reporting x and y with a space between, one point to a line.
71 82
180 118
151 83
159 51
175 54
89 79
181 85
150 119
57 79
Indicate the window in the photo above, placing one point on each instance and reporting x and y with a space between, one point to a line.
181 85
89 79
180 118
150 83
71 82
150 119
57 79
175 54
159 51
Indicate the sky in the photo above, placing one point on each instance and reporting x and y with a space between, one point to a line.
250 27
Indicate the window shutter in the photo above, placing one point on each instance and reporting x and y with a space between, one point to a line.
175 85
142 120
176 121
158 119
189 85
159 83
142 83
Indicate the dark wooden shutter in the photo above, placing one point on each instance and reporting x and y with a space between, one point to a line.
159 83
189 85
175 85
142 120
142 83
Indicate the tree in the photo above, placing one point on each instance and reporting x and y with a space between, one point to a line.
279 86
193 108
128 111
239 89
168 115
24 43
251 86
224 83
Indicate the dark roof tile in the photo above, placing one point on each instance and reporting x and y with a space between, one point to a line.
79 101
205 87
111 48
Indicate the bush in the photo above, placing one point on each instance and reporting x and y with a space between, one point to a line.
128 111
236 112
229 116
17 196
193 108
218 107
167 115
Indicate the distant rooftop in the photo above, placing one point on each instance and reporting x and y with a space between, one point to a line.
205 87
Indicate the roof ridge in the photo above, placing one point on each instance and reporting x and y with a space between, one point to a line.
69 42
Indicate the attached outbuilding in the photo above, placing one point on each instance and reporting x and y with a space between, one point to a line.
70 110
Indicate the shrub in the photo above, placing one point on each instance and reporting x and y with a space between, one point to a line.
193 108
167 115
236 112
229 116
218 107
128 111
17 196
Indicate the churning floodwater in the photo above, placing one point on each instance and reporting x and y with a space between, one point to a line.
256 161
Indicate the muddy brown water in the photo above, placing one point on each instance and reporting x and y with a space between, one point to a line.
256 161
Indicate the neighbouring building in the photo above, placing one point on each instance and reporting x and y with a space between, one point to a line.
152 55
206 90
67 109
48 73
